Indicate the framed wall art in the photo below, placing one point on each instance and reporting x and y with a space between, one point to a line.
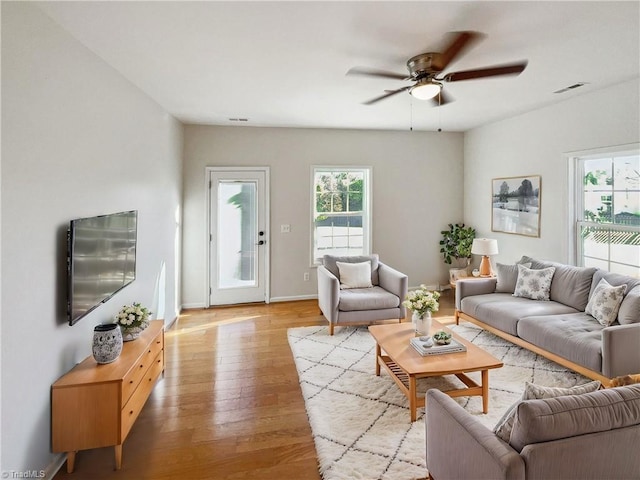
515 205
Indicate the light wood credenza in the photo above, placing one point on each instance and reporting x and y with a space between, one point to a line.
96 405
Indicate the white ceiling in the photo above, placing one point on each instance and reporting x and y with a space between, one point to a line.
284 63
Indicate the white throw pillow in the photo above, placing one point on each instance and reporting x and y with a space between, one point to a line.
355 275
605 302
535 392
534 284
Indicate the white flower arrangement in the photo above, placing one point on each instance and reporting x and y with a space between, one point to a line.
422 300
131 316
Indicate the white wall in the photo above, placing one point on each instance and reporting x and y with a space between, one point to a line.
77 140
417 180
535 144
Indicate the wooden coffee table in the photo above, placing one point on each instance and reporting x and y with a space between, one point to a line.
406 365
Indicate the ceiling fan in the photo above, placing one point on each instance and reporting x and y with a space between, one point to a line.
425 68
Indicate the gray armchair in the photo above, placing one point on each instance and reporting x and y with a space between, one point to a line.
589 436
342 306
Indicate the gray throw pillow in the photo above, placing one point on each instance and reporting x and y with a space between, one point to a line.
534 284
629 311
507 275
605 302
536 392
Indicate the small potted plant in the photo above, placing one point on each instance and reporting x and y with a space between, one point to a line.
133 319
442 338
455 246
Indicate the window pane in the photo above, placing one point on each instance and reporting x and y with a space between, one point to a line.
339 212
611 197
627 173
625 269
594 262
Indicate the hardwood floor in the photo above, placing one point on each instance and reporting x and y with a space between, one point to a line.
229 405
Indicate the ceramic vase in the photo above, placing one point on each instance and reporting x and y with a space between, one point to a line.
107 343
422 323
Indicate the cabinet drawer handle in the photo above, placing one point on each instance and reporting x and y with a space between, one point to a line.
130 382
142 366
131 412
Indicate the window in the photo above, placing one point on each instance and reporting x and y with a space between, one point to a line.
608 211
341 212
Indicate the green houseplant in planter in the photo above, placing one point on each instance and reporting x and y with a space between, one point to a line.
455 246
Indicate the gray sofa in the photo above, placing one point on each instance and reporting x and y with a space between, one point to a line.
589 436
559 328
345 306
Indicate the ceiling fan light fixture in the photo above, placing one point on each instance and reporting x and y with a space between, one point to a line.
425 90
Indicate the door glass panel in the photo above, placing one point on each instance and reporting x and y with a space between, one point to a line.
238 236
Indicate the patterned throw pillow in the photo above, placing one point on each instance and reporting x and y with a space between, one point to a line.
507 277
535 392
534 284
605 302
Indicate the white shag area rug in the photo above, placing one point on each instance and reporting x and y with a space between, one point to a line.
360 422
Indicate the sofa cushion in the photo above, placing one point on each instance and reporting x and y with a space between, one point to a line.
571 285
532 391
355 275
574 336
569 416
534 284
503 310
507 275
329 261
375 298
614 279
629 311
605 302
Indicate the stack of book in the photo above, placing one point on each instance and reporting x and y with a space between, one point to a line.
423 349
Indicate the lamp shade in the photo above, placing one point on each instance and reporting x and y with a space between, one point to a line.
425 90
484 246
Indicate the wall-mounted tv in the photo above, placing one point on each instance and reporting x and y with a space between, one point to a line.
101 260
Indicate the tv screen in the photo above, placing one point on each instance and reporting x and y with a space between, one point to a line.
101 260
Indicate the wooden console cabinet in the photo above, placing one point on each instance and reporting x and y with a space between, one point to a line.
96 405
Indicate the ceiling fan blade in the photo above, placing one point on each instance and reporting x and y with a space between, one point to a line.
377 73
460 43
441 99
387 94
512 69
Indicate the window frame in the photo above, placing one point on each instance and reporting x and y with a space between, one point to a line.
366 205
576 187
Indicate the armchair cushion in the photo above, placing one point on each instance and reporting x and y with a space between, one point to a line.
569 416
534 392
329 261
375 298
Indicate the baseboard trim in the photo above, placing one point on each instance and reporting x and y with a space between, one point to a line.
294 298
55 466
192 306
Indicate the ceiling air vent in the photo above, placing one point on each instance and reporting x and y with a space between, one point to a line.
571 87
238 119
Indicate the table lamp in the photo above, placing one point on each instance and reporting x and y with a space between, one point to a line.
485 247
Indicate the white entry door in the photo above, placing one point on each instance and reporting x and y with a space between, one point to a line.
238 247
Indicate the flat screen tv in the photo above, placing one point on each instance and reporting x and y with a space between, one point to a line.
101 260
